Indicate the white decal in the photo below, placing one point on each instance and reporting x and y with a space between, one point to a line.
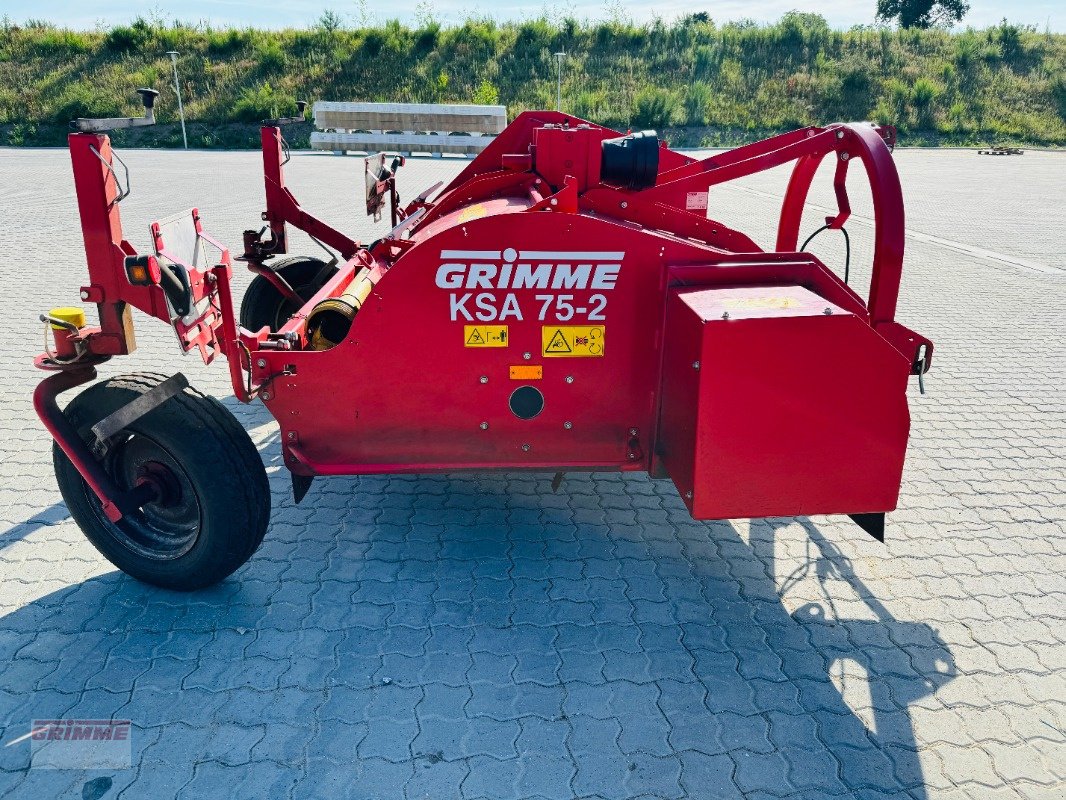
490 276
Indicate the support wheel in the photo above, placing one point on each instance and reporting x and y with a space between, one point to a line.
210 499
263 304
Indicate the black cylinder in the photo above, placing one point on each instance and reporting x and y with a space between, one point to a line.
148 97
631 161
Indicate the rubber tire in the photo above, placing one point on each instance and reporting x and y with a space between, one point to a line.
217 456
263 305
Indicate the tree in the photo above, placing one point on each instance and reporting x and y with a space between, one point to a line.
922 13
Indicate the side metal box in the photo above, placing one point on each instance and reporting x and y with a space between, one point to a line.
775 399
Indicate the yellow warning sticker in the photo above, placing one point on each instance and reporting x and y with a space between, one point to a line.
485 336
761 302
470 213
572 341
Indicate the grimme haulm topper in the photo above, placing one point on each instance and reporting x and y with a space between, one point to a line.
566 303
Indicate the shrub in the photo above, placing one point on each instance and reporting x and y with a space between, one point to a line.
486 94
797 29
227 41
654 108
82 100
590 105
61 43
427 36
924 93
696 103
270 56
1010 39
330 22
123 38
373 41
263 102
1058 95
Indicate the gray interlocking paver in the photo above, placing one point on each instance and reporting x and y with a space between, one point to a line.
481 636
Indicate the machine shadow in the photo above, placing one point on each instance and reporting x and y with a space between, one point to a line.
378 593
52 515
896 664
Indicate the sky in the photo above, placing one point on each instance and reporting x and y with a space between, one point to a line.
302 13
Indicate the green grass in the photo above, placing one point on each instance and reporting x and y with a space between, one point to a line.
703 83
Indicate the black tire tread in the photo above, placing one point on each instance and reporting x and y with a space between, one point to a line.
261 292
226 448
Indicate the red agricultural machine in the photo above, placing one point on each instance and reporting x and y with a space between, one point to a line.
567 303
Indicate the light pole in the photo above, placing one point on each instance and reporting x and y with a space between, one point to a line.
559 81
177 90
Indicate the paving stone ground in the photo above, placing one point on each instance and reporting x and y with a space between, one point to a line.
477 636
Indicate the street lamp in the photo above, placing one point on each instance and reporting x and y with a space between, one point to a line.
177 89
559 81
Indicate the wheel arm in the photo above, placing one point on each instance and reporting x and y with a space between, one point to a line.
68 439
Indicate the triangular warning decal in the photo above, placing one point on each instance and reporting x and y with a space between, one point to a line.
475 337
558 344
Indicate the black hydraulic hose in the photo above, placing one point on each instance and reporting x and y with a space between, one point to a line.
847 248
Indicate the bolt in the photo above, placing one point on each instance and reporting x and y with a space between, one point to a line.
84 294
484 426
624 204
827 311
633 431
695 364
291 435
845 156
265 395
725 315
568 425
554 201
484 378
525 448
527 356
569 378
840 134
688 495
261 363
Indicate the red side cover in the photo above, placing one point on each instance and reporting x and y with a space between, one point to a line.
779 403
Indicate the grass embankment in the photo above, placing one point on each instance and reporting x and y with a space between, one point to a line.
704 83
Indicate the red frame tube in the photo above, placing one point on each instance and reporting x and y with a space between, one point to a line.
65 435
282 208
808 146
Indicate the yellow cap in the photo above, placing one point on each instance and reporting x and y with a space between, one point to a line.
70 314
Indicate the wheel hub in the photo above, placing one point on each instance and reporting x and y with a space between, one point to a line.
166 521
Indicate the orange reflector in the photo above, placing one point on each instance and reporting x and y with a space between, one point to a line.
138 274
527 372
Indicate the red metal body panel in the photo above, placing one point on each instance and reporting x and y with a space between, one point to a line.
413 392
769 402
792 410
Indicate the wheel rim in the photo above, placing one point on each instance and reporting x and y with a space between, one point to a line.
168 526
